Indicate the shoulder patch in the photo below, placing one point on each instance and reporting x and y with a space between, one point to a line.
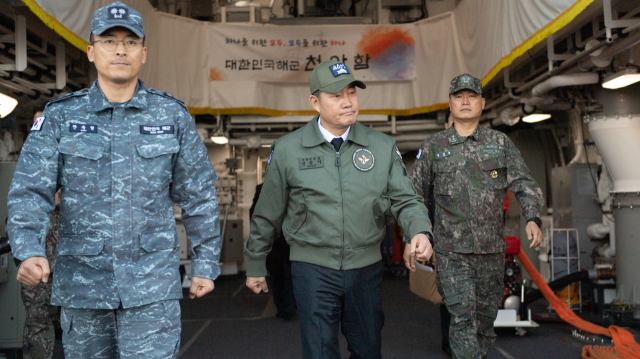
37 125
166 95
398 152
419 153
67 96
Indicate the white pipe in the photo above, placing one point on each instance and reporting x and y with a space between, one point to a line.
612 234
563 81
579 140
598 230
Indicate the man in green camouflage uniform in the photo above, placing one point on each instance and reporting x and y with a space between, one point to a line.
469 169
39 335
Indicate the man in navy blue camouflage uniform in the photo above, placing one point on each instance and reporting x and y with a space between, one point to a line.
121 154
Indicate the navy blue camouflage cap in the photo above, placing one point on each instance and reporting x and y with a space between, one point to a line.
465 82
117 15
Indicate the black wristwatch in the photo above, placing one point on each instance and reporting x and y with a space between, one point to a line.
429 236
537 220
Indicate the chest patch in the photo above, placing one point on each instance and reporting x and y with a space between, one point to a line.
156 130
491 149
443 154
363 159
310 163
83 128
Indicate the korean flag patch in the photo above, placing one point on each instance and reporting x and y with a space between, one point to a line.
339 69
270 156
37 126
118 13
398 152
419 154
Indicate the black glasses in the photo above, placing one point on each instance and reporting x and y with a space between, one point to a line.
110 43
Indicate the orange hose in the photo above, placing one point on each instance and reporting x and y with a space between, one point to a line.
625 346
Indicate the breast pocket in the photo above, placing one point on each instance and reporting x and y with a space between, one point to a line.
444 177
154 162
494 173
81 161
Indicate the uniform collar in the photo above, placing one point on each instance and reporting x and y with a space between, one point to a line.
328 136
358 135
455 138
98 101
311 135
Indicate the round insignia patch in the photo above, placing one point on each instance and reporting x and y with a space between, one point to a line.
363 159
494 174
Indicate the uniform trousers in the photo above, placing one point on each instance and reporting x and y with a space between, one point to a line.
328 299
149 331
472 287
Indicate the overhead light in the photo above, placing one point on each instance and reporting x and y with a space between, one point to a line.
219 139
266 146
621 78
7 104
536 117
242 3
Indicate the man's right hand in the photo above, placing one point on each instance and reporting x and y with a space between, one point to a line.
257 284
34 270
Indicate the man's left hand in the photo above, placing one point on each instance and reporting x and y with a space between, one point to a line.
200 287
420 249
534 233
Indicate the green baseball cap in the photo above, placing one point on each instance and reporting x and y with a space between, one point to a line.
465 82
331 77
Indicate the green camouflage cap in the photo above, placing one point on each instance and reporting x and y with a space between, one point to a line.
331 77
465 82
117 15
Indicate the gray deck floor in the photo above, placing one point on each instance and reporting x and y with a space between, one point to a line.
232 322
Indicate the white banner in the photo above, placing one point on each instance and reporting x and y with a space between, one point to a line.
290 53
409 66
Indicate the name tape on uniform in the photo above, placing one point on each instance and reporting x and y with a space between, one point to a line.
37 126
443 154
310 163
83 128
156 130
491 149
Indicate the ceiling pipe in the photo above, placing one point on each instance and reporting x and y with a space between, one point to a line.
603 57
554 82
512 115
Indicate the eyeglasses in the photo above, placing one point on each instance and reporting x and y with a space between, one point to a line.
110 43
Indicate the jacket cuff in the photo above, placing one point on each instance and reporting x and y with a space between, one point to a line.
205 269
531 213
256 267
416 228
26 254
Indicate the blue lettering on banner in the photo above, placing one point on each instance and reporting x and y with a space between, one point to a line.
156 130
83 128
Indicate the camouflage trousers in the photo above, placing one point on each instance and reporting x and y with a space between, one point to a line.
471 286
39 336
149 331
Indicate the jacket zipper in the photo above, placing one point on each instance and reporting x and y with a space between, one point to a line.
341 203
